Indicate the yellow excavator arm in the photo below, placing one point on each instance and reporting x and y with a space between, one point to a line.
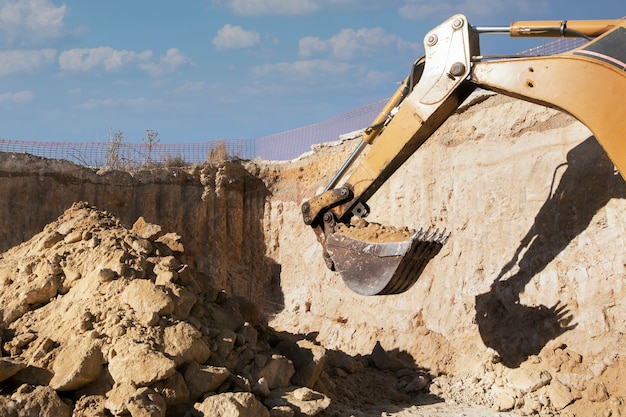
588 82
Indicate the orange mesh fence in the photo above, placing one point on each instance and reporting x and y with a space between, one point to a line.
554 47
280 146
128 155
293 143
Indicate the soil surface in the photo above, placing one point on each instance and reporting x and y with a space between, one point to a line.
374 232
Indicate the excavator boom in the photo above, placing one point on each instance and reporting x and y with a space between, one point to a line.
588 82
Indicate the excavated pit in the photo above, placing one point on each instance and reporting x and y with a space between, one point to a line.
165 279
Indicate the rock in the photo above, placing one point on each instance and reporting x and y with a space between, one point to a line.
76 365
239 383
504 401
146 230
249 333
73 237
99 387
105 274
203 379
383 361
596 392
528 380
260 360
8 407
166 270
142 246
117 397
227 316
560 395
574 381
145 402
173 389
147 299
282 411
12 310
39 288
185 344
347 363
231 404
49 240
304 401
308 360
109 267
417 384
125 398
172 241
184 301
32 375
277 372
165 277
38 401
226 342
531 405
261 387
139 364
90 406
9 367
249 310
303 394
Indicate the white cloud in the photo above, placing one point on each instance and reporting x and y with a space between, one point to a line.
190 87
18 97
298 7
139 102
25 22
270 7
311 45
21 60
319 72
167 64
420 9
416 9
107 58
374 77
349 43
304 69
234 37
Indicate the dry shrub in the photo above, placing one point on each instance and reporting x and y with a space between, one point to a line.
114 157
218 152
175 162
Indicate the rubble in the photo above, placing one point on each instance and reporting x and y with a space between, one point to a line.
99 318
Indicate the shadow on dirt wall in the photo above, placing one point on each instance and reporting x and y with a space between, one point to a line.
388 379
516 331
217 210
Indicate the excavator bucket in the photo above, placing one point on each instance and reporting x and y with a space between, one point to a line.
382 268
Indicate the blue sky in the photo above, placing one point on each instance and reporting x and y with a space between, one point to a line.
200 70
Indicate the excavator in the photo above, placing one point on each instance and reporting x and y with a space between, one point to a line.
587 82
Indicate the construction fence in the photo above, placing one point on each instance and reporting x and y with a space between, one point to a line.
281 146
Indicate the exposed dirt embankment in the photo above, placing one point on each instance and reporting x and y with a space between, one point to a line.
217 210
524 306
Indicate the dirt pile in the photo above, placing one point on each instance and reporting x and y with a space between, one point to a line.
101 320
